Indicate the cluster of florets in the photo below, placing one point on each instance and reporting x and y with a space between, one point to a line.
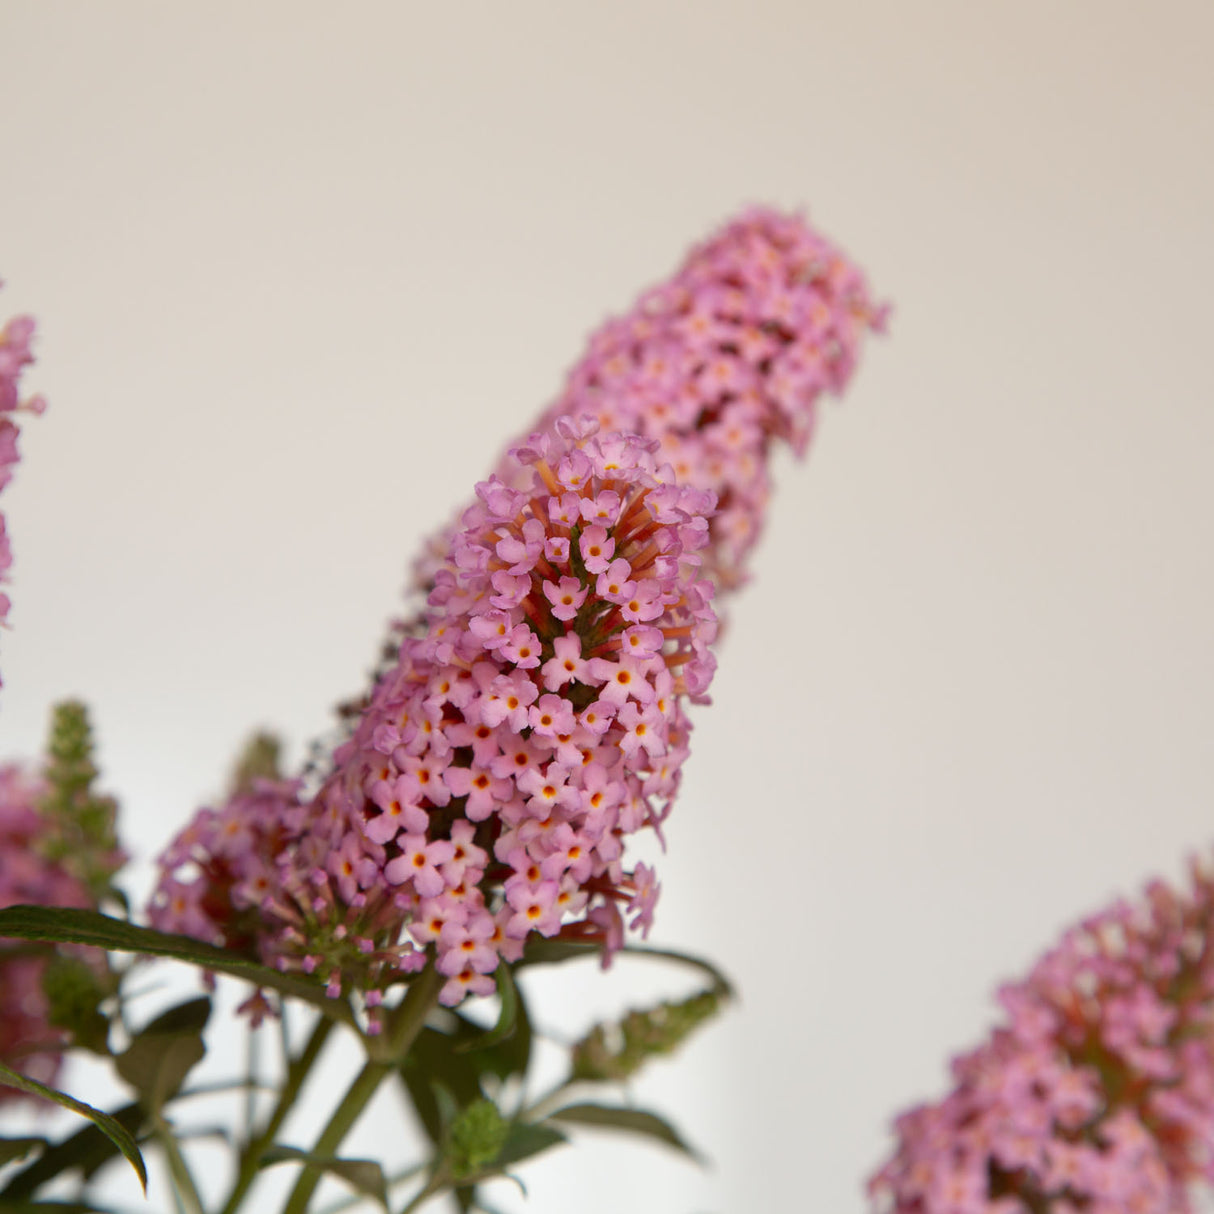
29 1043
15 341
535 722
1098 1095
730 354
256 877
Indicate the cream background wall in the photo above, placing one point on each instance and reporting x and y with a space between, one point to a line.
301 271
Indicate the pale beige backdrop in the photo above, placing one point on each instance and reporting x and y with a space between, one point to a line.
302 268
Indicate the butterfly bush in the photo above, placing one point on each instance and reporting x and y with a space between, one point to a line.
720 362
1097 1094
29 1043
530 716
533 724
16 339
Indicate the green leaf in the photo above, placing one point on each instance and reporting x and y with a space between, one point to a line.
164 1052
111 1128
456 1061
526 1140
721 984
632 1121
88 1150
433 1065
13 1149
365 1176
66 925
52 1207
502 1057
556 951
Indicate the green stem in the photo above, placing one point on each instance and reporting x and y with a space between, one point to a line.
388 1053
297 1072
184 1188
433 1186
549 1102
250 1095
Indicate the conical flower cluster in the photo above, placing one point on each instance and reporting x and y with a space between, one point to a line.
533 724
1097 1095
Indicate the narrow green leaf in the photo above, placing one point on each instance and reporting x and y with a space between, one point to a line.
164 1052
67 925
13 1149
526 1140
365 1176
720 983
52 1207
86 1151
112 1129
631 1121
557 951
554 951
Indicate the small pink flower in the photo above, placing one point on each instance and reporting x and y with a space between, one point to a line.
419 864
566 597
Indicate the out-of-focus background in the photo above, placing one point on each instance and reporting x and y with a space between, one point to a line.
302 269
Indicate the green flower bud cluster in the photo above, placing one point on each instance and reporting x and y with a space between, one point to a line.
615 1052
74 991
83 838
477 1137
261 759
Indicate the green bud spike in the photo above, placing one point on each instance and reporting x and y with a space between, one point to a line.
83 839
74 992
476 1140
259 760
615 1052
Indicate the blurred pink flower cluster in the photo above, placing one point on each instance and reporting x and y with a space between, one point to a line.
16 338
1097 1095
28 1042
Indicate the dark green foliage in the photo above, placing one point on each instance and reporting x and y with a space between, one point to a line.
113 1129
164 1052
631 1121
